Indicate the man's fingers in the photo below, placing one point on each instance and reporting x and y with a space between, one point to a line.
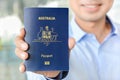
20 43
71 43
22 68
22 33
21 54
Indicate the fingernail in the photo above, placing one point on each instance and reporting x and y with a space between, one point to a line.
23 55
21 68
23 46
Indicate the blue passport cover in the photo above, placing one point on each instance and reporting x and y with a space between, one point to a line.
47 36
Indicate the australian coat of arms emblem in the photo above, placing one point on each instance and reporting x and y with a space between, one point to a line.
47 35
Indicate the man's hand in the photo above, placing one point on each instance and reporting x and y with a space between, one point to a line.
21 48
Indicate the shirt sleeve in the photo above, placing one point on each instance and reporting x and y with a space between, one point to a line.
34 76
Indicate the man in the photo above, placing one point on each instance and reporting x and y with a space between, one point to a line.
96 41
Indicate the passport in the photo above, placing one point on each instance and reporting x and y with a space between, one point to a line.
47 37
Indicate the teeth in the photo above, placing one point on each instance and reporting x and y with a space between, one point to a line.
91 6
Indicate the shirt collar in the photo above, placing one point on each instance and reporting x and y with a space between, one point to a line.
78 33
114 26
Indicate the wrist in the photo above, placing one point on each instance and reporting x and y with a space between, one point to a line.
56 77
60 76
49 74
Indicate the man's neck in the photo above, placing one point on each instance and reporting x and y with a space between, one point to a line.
99 28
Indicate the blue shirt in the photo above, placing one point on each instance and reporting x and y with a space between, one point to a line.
90 60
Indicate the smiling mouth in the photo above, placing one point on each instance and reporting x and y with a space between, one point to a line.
91 5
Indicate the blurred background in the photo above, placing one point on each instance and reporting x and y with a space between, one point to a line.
11 20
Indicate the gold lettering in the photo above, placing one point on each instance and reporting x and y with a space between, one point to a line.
46 62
